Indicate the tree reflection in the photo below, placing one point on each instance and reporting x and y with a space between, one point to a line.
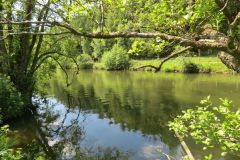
60 133
122 102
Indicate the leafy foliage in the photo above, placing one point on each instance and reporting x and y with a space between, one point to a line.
85 61
212 126
98 46
146 49
11 103
5 151
116 59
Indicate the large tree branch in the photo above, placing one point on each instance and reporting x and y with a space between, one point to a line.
201 44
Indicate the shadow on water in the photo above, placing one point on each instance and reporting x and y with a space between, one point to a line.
117 115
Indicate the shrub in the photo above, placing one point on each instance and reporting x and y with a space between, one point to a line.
116 59
67 64
5 151
11 104
190 68
85 61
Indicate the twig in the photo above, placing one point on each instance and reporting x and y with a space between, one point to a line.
168 156
225 5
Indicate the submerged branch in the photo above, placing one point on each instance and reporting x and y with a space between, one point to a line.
185 147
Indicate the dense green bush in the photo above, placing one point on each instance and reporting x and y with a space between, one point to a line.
67 64
5 146
190 67
116 59
11 104
85 61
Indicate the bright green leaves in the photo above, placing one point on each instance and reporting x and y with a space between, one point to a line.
116 59
169 16
211 126
146 49
206 12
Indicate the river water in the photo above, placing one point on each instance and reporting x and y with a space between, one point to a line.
121 115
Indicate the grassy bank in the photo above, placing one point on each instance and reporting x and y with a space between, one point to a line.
205 64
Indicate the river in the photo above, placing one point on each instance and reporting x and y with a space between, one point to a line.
122 115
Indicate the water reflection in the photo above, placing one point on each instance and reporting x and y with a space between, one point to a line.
120 115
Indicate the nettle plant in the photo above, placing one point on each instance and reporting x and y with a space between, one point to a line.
212 126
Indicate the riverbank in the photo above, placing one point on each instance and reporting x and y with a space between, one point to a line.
205 65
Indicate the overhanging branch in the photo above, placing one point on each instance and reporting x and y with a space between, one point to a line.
203 44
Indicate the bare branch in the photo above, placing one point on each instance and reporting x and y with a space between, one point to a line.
144 66
224 7
35 33
236 21
157 69
172 56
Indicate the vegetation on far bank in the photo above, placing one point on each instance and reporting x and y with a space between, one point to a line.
205 64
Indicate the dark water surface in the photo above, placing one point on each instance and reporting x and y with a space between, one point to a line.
122 114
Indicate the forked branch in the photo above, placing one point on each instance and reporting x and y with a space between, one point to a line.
157 69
